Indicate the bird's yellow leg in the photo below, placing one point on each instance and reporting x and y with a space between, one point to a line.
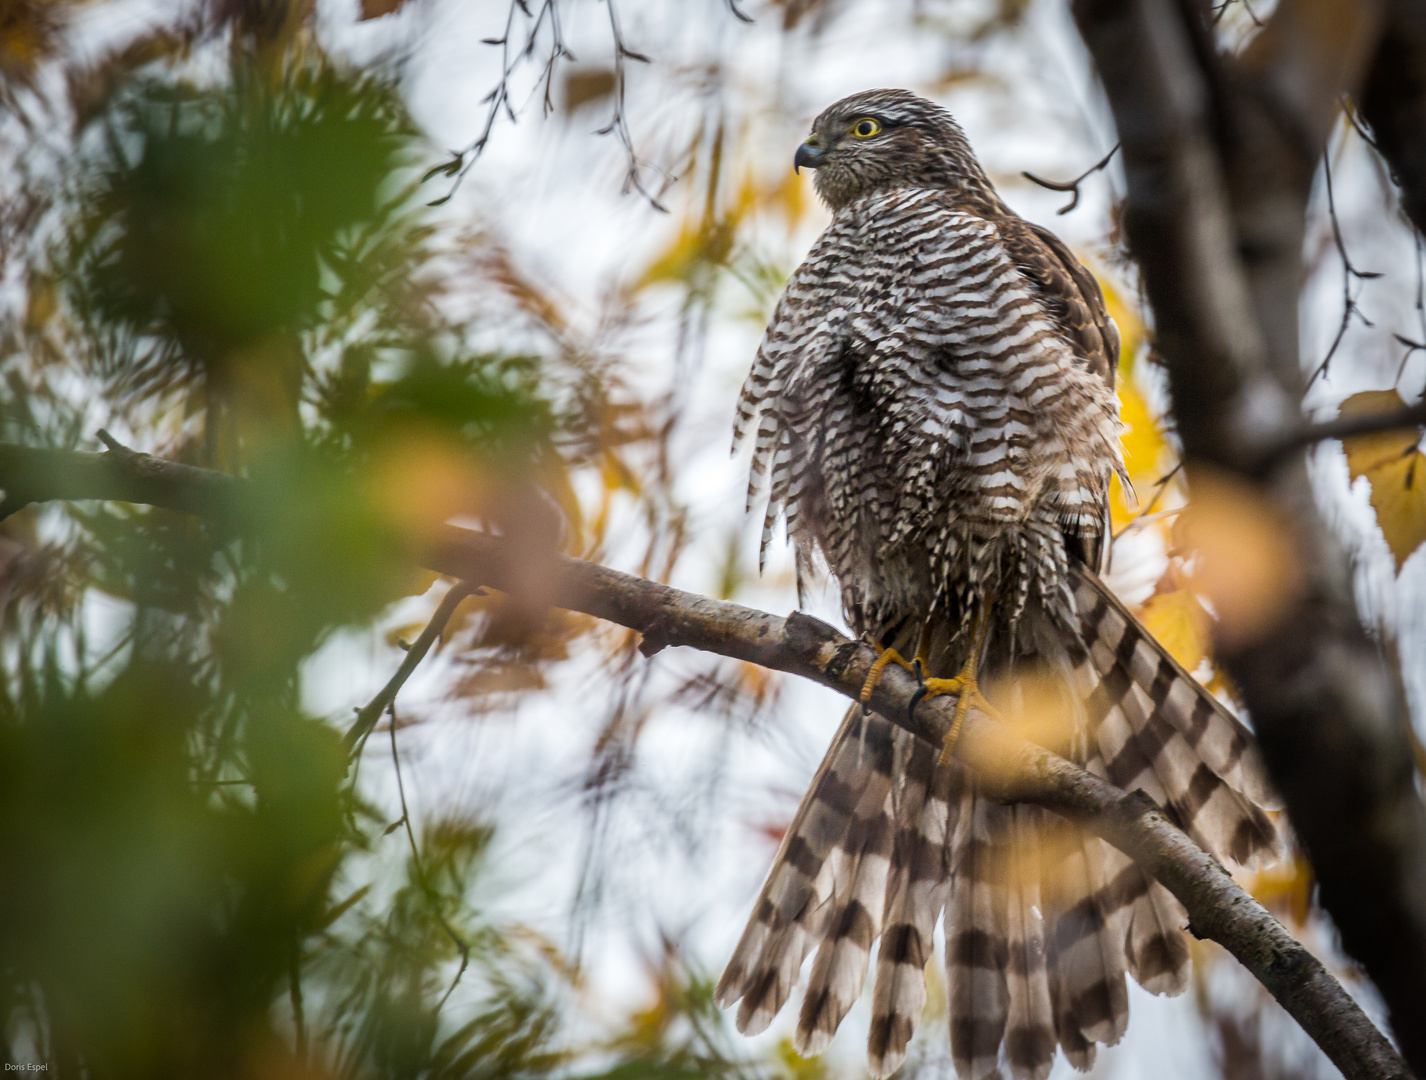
873 675
966 686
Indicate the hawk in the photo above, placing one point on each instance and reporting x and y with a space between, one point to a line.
932 408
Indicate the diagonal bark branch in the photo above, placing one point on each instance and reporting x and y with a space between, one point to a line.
1219 154
1010 768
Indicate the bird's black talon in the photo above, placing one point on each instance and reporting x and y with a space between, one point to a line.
920 679
916 697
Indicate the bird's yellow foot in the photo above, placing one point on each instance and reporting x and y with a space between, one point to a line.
873 675
968 689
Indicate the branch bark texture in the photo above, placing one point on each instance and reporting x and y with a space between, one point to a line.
1011 768
1219 155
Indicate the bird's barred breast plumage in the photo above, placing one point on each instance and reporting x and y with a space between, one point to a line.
932 409
919 417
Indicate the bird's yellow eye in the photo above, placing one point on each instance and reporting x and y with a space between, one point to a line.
865 128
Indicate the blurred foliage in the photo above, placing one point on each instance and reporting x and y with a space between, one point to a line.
219 245
234 265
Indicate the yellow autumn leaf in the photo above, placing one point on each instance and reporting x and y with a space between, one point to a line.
1131 327
1286 885
1143 442
1395 469
1179 623
1399 498
1366 452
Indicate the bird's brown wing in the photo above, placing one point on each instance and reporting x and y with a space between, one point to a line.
1070 293
1075 301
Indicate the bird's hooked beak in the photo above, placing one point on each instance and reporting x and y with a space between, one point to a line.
809 154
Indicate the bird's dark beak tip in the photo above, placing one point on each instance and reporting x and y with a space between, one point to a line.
807 156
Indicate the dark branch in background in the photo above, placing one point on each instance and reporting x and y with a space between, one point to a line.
1393 101
370 713
1347 426
1219 157
1349 272
1072 185
1009 767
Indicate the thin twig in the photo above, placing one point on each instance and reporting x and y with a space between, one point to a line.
1072 185
1221 8
1349 272
498 100
1160 486
1415 346
1349 110
294 992
370 713
618 123
432 896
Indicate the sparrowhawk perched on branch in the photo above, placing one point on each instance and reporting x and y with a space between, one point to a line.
933 410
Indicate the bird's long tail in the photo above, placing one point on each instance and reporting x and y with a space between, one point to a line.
1042 920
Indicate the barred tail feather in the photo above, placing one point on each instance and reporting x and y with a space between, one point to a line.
1093 1003
796 901
916 893
976 951
1030 1026
1042 921
841 964
1157 946
1160 730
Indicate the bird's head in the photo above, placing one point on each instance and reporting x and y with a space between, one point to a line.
887 138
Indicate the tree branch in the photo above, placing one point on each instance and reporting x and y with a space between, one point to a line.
1009 767
370 713
1345 427
33 474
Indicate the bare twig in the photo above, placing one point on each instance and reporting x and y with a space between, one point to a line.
1415 346
498 100
618 123
546 18
462 946
1072 185
1350 306
1220 9
1008 767
1143 516
370 713
1349 110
